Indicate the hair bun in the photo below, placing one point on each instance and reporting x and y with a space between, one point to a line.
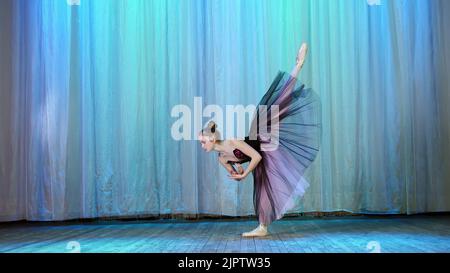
212 126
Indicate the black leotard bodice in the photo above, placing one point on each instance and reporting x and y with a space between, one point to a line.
255 144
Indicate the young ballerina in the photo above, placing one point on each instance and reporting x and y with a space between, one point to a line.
277 173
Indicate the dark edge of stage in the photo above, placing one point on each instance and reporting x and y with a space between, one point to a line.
190 218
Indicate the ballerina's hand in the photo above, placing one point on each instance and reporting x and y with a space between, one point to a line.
237 177
240 170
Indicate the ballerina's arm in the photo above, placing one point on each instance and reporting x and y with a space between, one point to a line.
240 169
227 165
249 151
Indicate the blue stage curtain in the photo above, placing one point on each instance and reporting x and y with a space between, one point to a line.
87 92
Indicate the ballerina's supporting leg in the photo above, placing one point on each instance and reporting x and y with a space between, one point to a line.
260 231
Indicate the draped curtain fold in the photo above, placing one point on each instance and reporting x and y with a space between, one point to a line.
87 92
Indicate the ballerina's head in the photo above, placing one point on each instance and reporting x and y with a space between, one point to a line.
209 136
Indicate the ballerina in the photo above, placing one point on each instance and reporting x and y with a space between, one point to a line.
277 173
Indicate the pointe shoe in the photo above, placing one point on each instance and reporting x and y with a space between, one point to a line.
260 231
301 55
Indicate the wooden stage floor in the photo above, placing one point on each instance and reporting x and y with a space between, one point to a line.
350 234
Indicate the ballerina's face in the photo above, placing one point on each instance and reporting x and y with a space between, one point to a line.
206 142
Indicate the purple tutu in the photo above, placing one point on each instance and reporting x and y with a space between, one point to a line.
296 130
